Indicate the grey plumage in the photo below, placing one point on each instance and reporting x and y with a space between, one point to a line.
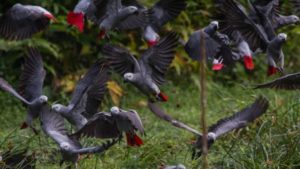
147 72
161 12
271 10
86 97
108 14
53 125
159 112
259 34
31 86
287 82
236 121
216 44
112 125
179 166
22 21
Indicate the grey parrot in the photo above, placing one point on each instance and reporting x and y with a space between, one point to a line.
53 125
216 46
22 21
113 124
108 14
256 35
31 86
236 121
87 96
147 72
179 166
287 82
268 12
162 12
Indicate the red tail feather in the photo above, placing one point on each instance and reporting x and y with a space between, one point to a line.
134 140
102 34
24 125
217 67
151 43
163 97
76 19
248 62
271 70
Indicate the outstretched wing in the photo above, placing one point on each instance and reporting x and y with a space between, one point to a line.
165 11
135 119
96 92
53 125
20 23
83 85
101 125
4 85
287 82
193 48
233 17
33 75
142 18
160 113
120 59
157 59
241 118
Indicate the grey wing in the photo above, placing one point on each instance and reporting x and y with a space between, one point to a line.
4 85
233 17
241 118
101 125
97 149
158 58
165 11
53 125
83 85
287 82
119 59
164 116
193 48
224 50
20 23
141 19
96 92
101 7
135 119
33 75
296 5
113 6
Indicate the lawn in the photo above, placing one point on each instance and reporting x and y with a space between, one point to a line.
271 142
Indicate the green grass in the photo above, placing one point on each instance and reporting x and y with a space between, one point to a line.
271 142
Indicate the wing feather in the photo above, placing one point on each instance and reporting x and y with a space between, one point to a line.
241 118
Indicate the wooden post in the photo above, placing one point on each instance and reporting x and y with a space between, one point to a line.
203 99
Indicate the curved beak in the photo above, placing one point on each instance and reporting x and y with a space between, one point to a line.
50 17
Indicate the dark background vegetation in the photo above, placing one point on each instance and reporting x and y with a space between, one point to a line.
273 142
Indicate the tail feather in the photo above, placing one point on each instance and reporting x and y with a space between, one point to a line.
76 19
163 97
133 140
248 62
271 70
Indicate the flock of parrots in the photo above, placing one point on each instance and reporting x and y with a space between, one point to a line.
237 33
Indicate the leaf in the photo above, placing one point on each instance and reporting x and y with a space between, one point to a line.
115 91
